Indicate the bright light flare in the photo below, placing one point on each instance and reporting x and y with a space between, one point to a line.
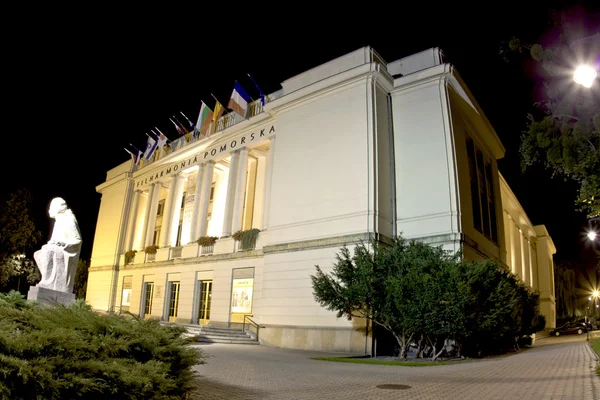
592 235
584 75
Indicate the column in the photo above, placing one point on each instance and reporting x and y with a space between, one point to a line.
507 244
165 230
240 191
176 213
533 264
206 184
132 220
511 239
525 254
229 201
267 190
151 213
140 238
517 254
196 210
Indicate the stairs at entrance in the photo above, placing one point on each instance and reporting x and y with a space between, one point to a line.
211 334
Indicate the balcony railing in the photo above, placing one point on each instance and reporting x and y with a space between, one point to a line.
207 250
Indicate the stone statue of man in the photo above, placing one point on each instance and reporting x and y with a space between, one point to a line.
57 260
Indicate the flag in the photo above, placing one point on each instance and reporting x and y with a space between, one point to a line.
161 138
218 111
151 146
133 158
185 130
239 100
179 130
216 115
135 155
262 95
188 120
204 118
139 154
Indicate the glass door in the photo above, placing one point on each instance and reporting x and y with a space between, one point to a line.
174 301
148 295
205 297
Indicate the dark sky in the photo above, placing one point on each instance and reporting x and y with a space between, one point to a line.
81 84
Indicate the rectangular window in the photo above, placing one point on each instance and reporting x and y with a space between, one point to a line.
126 293
482 192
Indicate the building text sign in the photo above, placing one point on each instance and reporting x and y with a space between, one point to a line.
208 154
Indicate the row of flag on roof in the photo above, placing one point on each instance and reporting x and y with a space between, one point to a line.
205 125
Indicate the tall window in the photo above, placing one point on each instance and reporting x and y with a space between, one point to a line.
211 198
482 192
126 293
159 217
180 226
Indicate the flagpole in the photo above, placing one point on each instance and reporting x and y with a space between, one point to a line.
188 120
224 108
258 88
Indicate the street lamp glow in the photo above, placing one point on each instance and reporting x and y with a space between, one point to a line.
584 75
592 235
595 293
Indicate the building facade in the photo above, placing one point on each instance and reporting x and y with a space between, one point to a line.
351 149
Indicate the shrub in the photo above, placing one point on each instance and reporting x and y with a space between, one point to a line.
151 249
129 256
246 238
58 352
207 240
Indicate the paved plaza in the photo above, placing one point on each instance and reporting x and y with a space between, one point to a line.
554 368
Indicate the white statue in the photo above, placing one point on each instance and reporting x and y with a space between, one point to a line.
57 260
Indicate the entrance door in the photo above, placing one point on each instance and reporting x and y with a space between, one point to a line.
205 296
174 301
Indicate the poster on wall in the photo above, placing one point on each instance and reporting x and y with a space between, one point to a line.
241 300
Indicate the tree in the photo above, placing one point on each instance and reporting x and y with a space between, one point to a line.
422 294
565 284
18 237
563 131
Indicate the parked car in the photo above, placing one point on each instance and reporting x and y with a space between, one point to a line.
587 323
570 328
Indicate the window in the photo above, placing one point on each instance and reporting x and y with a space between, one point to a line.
482 192
211 197
180 226
158 224
126 293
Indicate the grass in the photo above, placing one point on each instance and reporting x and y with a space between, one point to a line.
387 362
595 342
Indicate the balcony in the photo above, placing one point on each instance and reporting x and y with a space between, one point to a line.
222 247
226 121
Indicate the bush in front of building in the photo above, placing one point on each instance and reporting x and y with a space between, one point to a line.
58 352
429 299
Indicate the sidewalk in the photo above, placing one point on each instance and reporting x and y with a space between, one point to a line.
553 368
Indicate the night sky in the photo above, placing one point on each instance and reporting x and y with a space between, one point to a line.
80 85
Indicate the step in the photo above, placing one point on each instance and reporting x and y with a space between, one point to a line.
206 339
215 329
224 335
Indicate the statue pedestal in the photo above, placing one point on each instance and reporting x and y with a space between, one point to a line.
49 296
